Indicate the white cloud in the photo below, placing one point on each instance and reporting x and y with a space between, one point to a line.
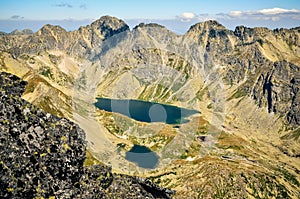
274 14
187 16
275 11
255 16
235 13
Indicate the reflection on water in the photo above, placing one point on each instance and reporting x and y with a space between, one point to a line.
146 111
142 156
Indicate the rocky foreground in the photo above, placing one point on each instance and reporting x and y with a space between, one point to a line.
42 156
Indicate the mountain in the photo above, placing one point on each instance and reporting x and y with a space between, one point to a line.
45 156
18 32
267 61
245 83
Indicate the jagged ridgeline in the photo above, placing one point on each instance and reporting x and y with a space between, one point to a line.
256 139
256 62
42 156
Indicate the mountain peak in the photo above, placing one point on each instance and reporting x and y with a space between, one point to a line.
46 29
210 24
153 25
21 32
108 26
109 22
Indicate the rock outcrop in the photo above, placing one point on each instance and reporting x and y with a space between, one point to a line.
43 156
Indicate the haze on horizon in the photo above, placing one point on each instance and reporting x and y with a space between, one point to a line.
176 15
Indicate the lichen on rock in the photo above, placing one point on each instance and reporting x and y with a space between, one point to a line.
42 156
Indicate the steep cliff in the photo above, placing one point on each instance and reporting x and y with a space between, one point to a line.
262 63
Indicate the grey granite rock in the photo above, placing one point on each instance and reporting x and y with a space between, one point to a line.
43 156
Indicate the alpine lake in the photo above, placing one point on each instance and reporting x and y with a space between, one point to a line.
148 112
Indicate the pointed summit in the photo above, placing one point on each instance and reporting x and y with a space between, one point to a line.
207 25
108 26
112 22
50 29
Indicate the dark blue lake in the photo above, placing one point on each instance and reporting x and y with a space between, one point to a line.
146 111
142 156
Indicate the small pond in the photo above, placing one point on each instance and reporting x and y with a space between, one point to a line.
142 156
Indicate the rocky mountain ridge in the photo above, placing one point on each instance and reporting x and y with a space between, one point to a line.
252 53
256 57
79 43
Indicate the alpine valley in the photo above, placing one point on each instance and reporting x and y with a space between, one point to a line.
239 91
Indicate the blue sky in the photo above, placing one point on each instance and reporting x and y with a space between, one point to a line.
177 15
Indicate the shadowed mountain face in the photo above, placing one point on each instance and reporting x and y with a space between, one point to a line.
245 83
